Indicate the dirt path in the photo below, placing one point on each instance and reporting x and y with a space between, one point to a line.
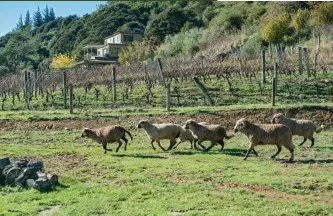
320 115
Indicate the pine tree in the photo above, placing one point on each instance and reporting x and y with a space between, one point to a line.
19 25
38 19
27 21
46 14
52 14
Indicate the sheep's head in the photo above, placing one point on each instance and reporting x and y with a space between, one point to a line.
277 118
240 125
84 133
141 123
189 123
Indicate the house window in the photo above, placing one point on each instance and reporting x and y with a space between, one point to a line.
105 42
113 40
98 53
128 38
118 39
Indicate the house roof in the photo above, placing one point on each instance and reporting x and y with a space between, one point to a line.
93 46
122 32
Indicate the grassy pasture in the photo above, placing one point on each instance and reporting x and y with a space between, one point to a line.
142 181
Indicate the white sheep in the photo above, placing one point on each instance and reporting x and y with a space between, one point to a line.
304 128
204 131
261 134
157 132
186 135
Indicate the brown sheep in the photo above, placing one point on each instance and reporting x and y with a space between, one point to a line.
262 134
214 133
304 128
109 134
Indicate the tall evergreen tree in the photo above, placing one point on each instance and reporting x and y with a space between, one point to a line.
46 14
19 25
38 19
52 14
27 21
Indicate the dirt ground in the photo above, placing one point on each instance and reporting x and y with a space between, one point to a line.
320 115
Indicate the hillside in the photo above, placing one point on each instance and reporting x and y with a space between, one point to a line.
177 28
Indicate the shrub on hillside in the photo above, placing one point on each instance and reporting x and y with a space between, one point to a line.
274 30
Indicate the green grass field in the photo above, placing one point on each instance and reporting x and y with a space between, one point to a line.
142 181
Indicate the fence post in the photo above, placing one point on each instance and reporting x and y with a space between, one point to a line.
168 97
307 63
203 91
276 76
35 82
26 89
70 98
263 67
29 85
300 65
316 54
64 76
273 90
114 84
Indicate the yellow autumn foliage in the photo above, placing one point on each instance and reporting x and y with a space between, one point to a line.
136 52
274 30
300 19
62 61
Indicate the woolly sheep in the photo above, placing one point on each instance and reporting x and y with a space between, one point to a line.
261 134
304 128
157 132
186 135
204 131
109 134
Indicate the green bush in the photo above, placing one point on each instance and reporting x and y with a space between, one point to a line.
3 70
253 45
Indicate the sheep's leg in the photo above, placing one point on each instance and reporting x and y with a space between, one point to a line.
192 144
172 144
211 146
152 140
303 141
159 144
278 151
199 143
105 147
291 155
126 141
120 143
255 153
222 145
248 152
312 142
176 145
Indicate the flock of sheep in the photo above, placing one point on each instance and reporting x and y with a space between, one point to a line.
278 133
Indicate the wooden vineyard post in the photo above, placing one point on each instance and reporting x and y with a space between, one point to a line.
35 82
114 84
203 91
300 65
70 98
26 89
276 77
307 62
263 67
30 85
273 90
64 75
168 97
